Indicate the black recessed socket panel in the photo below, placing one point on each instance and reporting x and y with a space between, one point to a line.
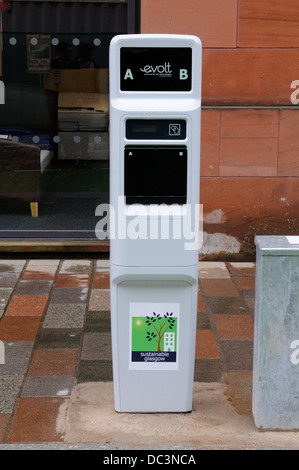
155 174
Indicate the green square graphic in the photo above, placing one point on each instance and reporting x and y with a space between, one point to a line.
154 333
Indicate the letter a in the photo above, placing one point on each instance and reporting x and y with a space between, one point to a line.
183 74
129 75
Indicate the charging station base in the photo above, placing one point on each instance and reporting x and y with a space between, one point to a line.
155 325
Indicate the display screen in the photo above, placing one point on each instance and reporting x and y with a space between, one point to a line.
144 129
155 68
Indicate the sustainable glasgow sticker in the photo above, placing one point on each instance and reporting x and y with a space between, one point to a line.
154 329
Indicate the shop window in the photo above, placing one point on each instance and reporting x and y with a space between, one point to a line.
54 124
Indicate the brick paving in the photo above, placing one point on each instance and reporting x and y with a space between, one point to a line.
55 326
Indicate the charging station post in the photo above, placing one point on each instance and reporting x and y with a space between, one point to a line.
155 109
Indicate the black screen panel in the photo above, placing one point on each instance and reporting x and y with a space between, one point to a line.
155 69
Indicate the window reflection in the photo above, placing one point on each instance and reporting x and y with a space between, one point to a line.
54 145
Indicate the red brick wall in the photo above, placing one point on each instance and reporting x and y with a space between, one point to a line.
250 128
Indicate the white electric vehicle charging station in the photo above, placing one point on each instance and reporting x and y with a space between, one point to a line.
155 108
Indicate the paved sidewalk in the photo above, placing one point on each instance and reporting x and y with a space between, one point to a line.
55 326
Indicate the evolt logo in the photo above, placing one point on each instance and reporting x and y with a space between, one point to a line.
2 92
163 69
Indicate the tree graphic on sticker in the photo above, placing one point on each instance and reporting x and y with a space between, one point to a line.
160 327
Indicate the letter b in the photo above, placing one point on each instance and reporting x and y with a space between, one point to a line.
183 74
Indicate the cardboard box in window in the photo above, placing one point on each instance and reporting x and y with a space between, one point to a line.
79 81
